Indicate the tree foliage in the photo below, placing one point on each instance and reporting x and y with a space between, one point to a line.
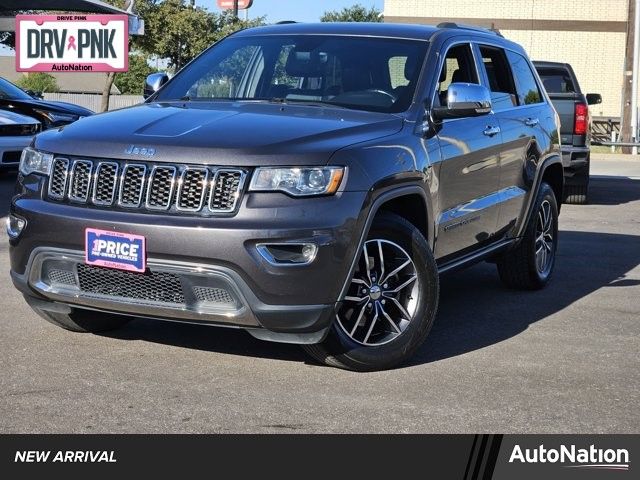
39 82
132 82
355 13
178 33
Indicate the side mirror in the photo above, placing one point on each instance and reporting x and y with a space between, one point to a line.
594 98
153 83
464 100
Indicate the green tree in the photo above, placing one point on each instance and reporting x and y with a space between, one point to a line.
355 13
132 82
38 82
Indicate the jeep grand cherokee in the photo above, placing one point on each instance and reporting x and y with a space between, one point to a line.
307 183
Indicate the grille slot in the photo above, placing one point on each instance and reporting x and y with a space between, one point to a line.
132 185
151 286
161 185
226 190
213 295
193 188
104 190
61 277
80 180
59 175
152 187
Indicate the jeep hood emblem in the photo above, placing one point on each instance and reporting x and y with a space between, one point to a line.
143 151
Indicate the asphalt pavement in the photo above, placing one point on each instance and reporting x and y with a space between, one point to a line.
560 360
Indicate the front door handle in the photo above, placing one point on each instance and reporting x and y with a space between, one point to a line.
531 122
491 131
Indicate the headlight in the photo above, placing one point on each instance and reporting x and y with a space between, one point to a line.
297 181
33 161
58 118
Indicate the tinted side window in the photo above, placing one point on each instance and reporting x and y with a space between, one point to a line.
556 80
458 67
528 91
501 84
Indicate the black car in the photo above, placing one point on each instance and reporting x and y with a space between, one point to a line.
306 183
50 114
561 84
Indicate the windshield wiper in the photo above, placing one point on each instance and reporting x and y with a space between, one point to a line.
310 103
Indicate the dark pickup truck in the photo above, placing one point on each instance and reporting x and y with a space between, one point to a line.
575 124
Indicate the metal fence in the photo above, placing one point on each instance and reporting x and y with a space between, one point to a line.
93 101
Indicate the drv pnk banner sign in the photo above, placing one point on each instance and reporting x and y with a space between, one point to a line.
72 43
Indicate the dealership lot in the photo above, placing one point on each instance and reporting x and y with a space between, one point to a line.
561 360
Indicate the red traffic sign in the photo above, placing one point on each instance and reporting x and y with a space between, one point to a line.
228 4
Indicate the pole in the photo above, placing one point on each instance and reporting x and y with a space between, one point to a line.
634 80
625 124
235 8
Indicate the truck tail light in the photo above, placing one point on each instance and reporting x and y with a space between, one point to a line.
582 119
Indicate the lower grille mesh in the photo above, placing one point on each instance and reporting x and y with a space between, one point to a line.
151 286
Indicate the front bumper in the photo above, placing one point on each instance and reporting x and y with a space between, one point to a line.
280 303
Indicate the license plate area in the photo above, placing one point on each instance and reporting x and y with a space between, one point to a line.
121 251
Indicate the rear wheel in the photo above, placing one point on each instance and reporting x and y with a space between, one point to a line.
529 265
576 190
83 321
390 304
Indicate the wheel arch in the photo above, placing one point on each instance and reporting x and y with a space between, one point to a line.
393 201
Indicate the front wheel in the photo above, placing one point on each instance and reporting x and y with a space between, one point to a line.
390 304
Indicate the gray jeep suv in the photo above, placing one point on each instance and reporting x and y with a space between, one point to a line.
306 183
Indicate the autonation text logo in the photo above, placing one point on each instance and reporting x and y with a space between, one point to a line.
574 457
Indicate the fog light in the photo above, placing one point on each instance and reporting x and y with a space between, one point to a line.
282 254
15 225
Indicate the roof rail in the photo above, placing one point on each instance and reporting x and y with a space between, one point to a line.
285 22
463 26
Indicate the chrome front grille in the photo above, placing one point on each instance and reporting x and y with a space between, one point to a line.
59 177
132 185
159 187
80 183
104 191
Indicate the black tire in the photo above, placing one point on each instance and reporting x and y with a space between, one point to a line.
576 189
340 350
83 321
577 194
519 267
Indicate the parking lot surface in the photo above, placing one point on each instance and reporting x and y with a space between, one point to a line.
560 360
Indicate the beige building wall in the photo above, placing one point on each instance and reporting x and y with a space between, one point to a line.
590 35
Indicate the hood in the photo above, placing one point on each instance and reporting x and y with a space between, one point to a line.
11 118
52 106
230 133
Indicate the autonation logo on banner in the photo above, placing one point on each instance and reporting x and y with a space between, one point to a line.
72 43
573 457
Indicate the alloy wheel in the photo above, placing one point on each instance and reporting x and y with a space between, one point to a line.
383 295
544 238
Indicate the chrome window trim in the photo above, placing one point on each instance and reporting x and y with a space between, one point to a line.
122 176
172 188
205 188
66 178
95 183
72 172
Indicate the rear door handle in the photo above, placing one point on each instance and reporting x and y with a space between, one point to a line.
531 122
491 131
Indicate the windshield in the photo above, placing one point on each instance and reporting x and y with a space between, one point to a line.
8 91
376 74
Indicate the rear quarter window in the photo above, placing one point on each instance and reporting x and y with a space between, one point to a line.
527 87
